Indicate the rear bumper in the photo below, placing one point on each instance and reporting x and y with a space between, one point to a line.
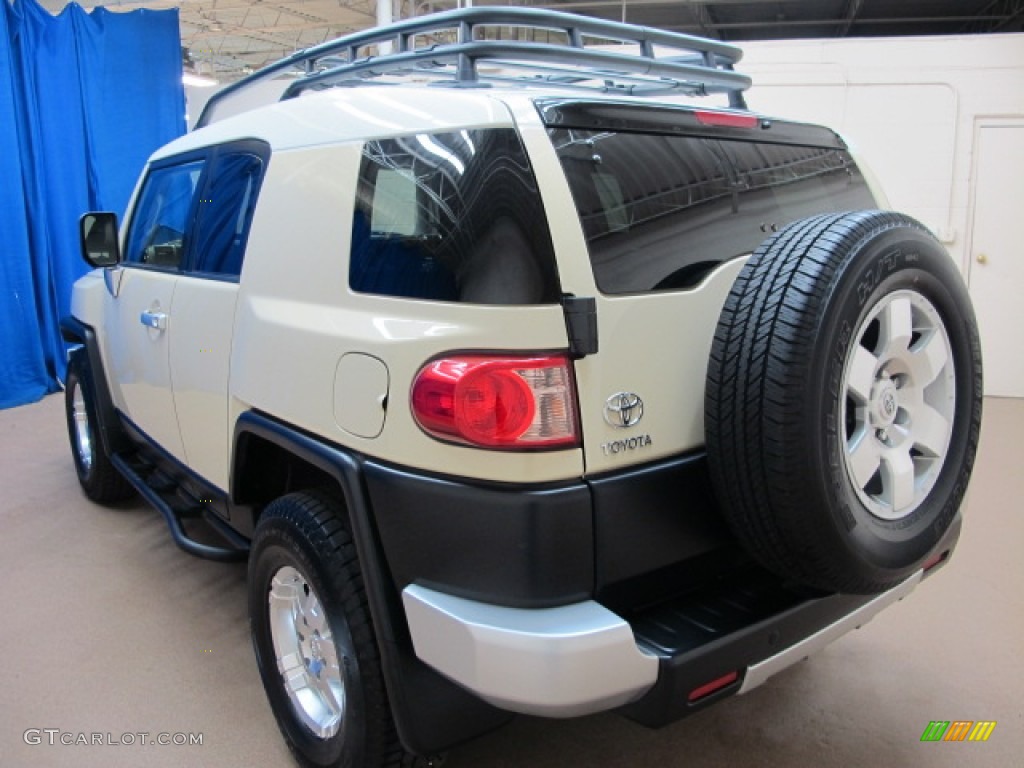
556 662
582 658
757 673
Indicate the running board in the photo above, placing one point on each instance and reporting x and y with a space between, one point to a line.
162 492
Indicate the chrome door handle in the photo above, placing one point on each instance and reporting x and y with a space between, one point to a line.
157 320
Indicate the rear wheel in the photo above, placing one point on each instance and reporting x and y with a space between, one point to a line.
96 474
314 639
843 400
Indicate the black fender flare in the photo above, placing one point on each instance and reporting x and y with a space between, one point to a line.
112 434
431 713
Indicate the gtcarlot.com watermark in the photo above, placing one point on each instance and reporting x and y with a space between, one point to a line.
57 737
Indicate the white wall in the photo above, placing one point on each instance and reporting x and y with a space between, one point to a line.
909 105
256 96
195 100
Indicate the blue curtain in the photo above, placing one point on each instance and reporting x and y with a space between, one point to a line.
84 99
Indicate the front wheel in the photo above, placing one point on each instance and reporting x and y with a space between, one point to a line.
98 477
314 640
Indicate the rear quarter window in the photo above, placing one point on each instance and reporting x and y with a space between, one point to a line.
659 212
451 216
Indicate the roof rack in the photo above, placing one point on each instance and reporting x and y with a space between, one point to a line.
448 48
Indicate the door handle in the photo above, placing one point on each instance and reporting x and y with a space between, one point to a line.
157 320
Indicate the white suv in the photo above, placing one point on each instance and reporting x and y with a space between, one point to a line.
527 388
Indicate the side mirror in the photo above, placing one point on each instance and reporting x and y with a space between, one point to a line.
98 236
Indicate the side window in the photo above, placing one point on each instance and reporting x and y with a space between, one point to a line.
160 221
225 212
452 217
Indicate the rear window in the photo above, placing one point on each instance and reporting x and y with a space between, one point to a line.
659 212
451 217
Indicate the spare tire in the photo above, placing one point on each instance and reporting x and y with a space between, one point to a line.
843 400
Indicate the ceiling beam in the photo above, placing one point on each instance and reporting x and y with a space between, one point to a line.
231 34
1018 16
852 10
577 4
702 16
856 22
1011 10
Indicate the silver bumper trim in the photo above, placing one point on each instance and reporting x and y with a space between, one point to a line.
758 673
556 662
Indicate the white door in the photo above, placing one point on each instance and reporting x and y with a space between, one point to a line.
200 351
204 309
138 353
996 277
141 308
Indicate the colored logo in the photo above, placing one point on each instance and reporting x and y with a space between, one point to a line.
958 730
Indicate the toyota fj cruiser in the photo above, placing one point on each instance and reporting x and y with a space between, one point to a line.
523 386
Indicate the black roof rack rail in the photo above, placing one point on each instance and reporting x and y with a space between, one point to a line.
697 66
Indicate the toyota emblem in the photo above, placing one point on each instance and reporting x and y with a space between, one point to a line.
623 409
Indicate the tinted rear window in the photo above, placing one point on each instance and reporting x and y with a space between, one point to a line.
659 212
452 217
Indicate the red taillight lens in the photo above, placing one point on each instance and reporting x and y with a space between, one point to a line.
498 402
494 405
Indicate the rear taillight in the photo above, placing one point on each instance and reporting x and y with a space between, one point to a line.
498 402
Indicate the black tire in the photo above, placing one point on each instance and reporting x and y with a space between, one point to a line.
97 475
809 365
306 534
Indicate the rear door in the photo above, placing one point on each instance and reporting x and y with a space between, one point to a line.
669 202
204 306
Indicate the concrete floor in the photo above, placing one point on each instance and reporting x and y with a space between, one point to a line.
106 627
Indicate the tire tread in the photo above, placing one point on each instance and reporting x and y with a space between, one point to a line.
103 483
753 408
318 517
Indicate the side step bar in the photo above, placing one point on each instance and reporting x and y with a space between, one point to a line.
162 492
